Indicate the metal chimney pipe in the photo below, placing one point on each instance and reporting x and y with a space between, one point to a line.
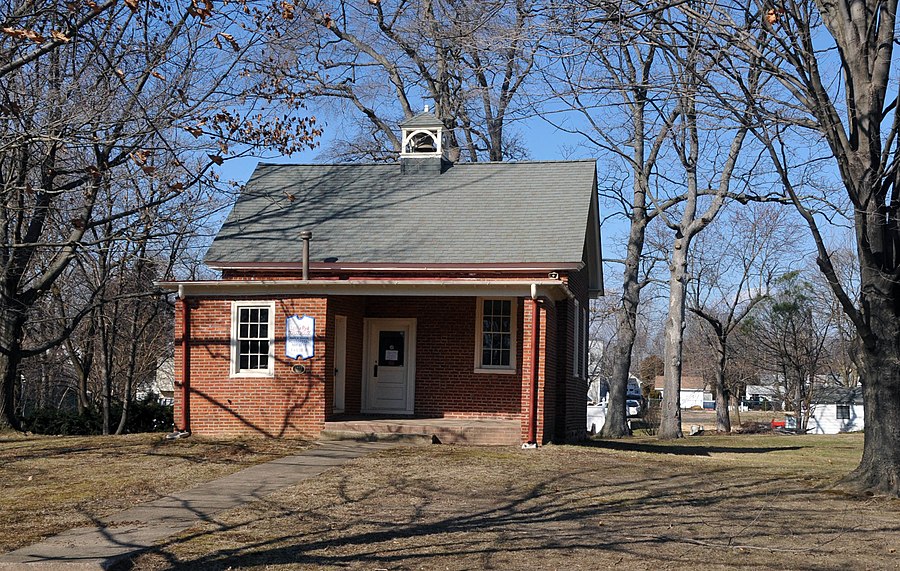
306 236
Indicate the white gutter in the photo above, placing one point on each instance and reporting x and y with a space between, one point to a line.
553 289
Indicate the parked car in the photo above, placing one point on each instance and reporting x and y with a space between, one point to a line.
758 403
633 408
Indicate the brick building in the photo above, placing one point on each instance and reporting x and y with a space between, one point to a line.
438 290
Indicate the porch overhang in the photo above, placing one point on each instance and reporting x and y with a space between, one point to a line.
547 288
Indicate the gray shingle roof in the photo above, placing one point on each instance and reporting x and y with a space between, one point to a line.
837 395
422 119
528 212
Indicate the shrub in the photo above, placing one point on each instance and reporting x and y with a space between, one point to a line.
145 415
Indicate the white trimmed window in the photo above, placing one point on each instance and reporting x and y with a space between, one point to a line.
843 412
253 338
495 335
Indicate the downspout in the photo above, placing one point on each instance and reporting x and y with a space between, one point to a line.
185 429
535 347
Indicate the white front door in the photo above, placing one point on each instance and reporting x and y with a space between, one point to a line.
340 361
390 366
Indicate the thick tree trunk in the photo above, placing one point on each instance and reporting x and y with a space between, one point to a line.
10 333
879 469
616 423
723 395
8 394
670 422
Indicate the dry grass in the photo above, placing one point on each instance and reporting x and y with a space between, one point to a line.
50 484
751 502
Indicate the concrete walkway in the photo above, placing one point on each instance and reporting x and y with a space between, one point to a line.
126 533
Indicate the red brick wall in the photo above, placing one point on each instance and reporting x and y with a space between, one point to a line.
353 308
572 405
549 368
288 404
446 384
546 371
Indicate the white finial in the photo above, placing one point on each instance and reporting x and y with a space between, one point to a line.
426 109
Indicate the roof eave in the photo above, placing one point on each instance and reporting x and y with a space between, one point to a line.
398 267
553 289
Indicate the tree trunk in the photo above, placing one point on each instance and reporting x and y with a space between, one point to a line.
879 469
616 423
133 333
670 422
107 393
723 394
736 409
11 325
8 368
123 418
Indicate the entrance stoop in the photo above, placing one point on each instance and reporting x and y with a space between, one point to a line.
474 432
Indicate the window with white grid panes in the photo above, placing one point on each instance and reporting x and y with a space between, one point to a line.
496 334
253 339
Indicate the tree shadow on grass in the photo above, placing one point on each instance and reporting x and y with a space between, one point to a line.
682 449
593 512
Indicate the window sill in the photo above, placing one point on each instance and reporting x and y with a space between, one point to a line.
253 375
496 371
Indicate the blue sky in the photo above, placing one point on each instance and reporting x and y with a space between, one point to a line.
544 143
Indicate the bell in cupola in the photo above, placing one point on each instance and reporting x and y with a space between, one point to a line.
423 144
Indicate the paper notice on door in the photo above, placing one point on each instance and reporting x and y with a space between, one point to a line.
391 355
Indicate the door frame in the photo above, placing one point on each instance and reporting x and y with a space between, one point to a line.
371 324
340 364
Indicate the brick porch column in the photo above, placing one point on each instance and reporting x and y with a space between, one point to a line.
529 353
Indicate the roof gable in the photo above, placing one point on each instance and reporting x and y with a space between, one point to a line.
474 213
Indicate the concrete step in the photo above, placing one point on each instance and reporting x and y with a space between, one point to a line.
484 433
361 436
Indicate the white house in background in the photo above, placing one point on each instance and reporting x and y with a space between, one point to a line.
598 391
598 396
768 392
163 385
693 390
836 410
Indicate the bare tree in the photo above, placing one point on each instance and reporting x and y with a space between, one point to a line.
136 101
705 146
606 61
733 267
791 335
369 63
834 62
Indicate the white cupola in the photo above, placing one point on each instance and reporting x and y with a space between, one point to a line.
423 135
424 146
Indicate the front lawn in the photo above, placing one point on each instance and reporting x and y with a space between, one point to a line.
750 502
53 483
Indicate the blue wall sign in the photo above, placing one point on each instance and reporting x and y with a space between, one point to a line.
300 337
